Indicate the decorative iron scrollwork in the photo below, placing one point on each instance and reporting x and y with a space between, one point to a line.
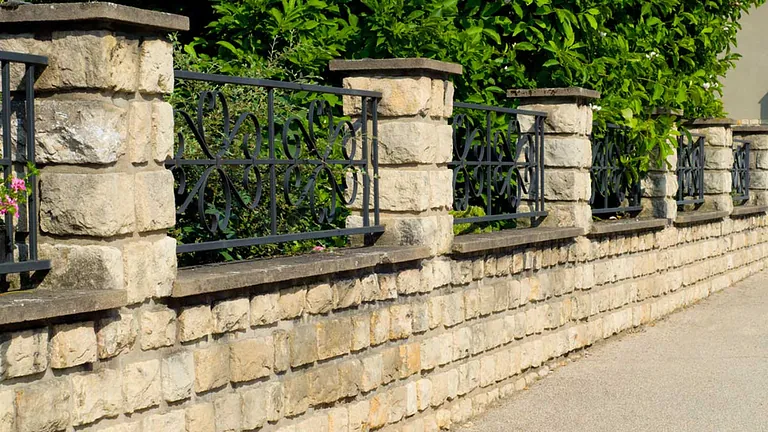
614 189
740 173
690 170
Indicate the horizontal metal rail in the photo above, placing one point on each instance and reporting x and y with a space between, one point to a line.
28 59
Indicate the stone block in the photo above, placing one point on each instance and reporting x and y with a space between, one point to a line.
409 281
230 315
380 409
251 359
303 341
759 180
567 185
324 385
333 338
82 267
178 376
347 293
44 406
380 325
296 394
95 396
361 332
158 327
567 152
444 387
281 340
401 96
358 416
86 131
372 372
211 368
434 231
141 385
420 313
398 401
717 182
172 421
403 189
562 118
262 404
200 418
228 413
576 214
73 345
115 335
319 299
8 410
162 136
150 267
414 142
155 200
156 66
195 322
265 309
99 205
717 136
718 158
138 145
25 353
338 420
400 322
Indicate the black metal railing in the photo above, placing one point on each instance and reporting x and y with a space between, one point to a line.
289 166
18 248
690 170
740 171
615 190
498 170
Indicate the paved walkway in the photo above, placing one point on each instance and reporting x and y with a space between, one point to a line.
702 369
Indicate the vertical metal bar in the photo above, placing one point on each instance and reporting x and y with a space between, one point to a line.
679 169
539 126
7 151
747 168
366 174
272 173
32 180
375 148
701 168
488 159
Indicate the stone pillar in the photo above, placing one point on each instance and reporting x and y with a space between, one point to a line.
414 145
103 131
757 135
567 151
718 162
659 198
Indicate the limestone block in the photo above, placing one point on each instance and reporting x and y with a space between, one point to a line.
444 387
567 185
324 385
211 367
567 152
158 327
401 96
400 322
454 307
380 325
350 377
319 299
7 410
156 66
391 364
228 409
162 137
565 118
338 420
262 404
82 267
437 98
88 131
435 231
404 189
759 180
230 315
414 142
96 396
138 145
281 340
172 421
409 281
200 418
448 103
380 409
716 136
410 358
361 332
116 335
43 406
316 423
568 215
251 358
358 416
25 353
303 341
420 313
333 338
73 345
718 158
372 372
99 205
347 293
717 182
150 267
141 385
195 322
296 395
178 375
155 201
292 302
265 309
398 400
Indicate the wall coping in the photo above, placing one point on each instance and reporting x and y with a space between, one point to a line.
558 92
712 122
698 217
96 12
34 305
471 243
748 129
748 210
627 226
224 277
667 111
395 65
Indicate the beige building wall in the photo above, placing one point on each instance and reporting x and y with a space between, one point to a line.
746 87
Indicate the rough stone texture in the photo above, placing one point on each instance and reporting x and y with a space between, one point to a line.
96 396
562 185
211 368
90 131
319 299
405 189
230 315
156 69
141 385
116 335
99 205
402 96
150 267
228 411
73 345
292 303
303 341
155 201
577 214
200 418
568 152
195 322
158 328
562 118
333 338
7 410
172 421
433 231
25 353
162 131
251 359
262 404
265 309
178 374
82 267
402 142
43 406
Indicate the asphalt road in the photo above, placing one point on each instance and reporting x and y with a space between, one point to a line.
704 368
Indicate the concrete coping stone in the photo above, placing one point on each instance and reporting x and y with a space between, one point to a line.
101 13
627 226
223 277
558 92
667 111
471 243
388 67
33 305
700 217
750 129
748 210
711 122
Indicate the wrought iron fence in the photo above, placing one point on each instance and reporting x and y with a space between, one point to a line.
498 170
740 171
289 166
690 170
614 189
18 247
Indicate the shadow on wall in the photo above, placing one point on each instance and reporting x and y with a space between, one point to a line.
764 107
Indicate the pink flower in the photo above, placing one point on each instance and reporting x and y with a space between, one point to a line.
18 184
318 249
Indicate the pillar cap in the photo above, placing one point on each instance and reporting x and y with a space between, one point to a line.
29 17
557 93
706 122
389 67
751 129
667 111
